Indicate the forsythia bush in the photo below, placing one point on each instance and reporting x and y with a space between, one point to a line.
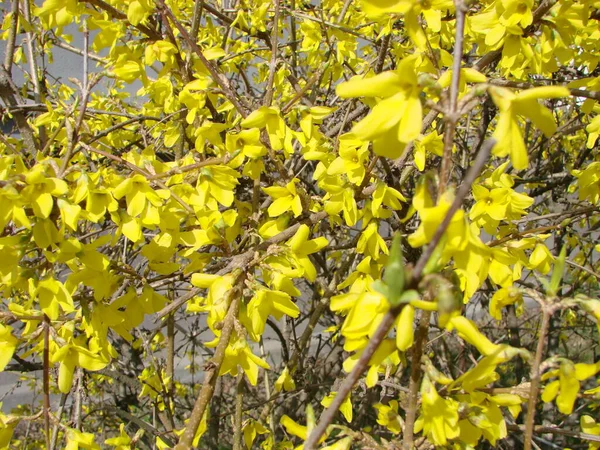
239 218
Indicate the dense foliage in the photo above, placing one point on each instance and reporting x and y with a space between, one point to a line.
241 217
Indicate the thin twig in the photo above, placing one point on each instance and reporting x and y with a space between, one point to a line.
385 43
12 36
196 17
302 91
574 212
527 85
343 12
79 52
239 408
452 115
189 167
585 269
415 380
541 429
76 419
130 418
32 59
59 413
9 93
171 307
293 36
171 355
46 381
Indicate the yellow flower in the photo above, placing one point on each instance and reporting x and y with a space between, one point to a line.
525 103
285 381
387 416
371 242
439 420
396 119
504 297
541 259
238 353
286 199
302 247
345 408
351 162
267 302
588 181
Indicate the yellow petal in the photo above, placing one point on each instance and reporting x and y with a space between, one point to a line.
383 85
412 120
469 332
381 119
543 92
404 328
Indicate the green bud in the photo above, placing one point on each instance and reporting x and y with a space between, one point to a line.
394 276
380 287
433 263
557 273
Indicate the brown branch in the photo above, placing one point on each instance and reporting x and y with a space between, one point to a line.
120 125
535 377
59 413
212 368
330 24
343 12
242 260
79 52
170 359
176 304
34 76
574 212
385 43
228 21
461 194
348 384
390 317
339 126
